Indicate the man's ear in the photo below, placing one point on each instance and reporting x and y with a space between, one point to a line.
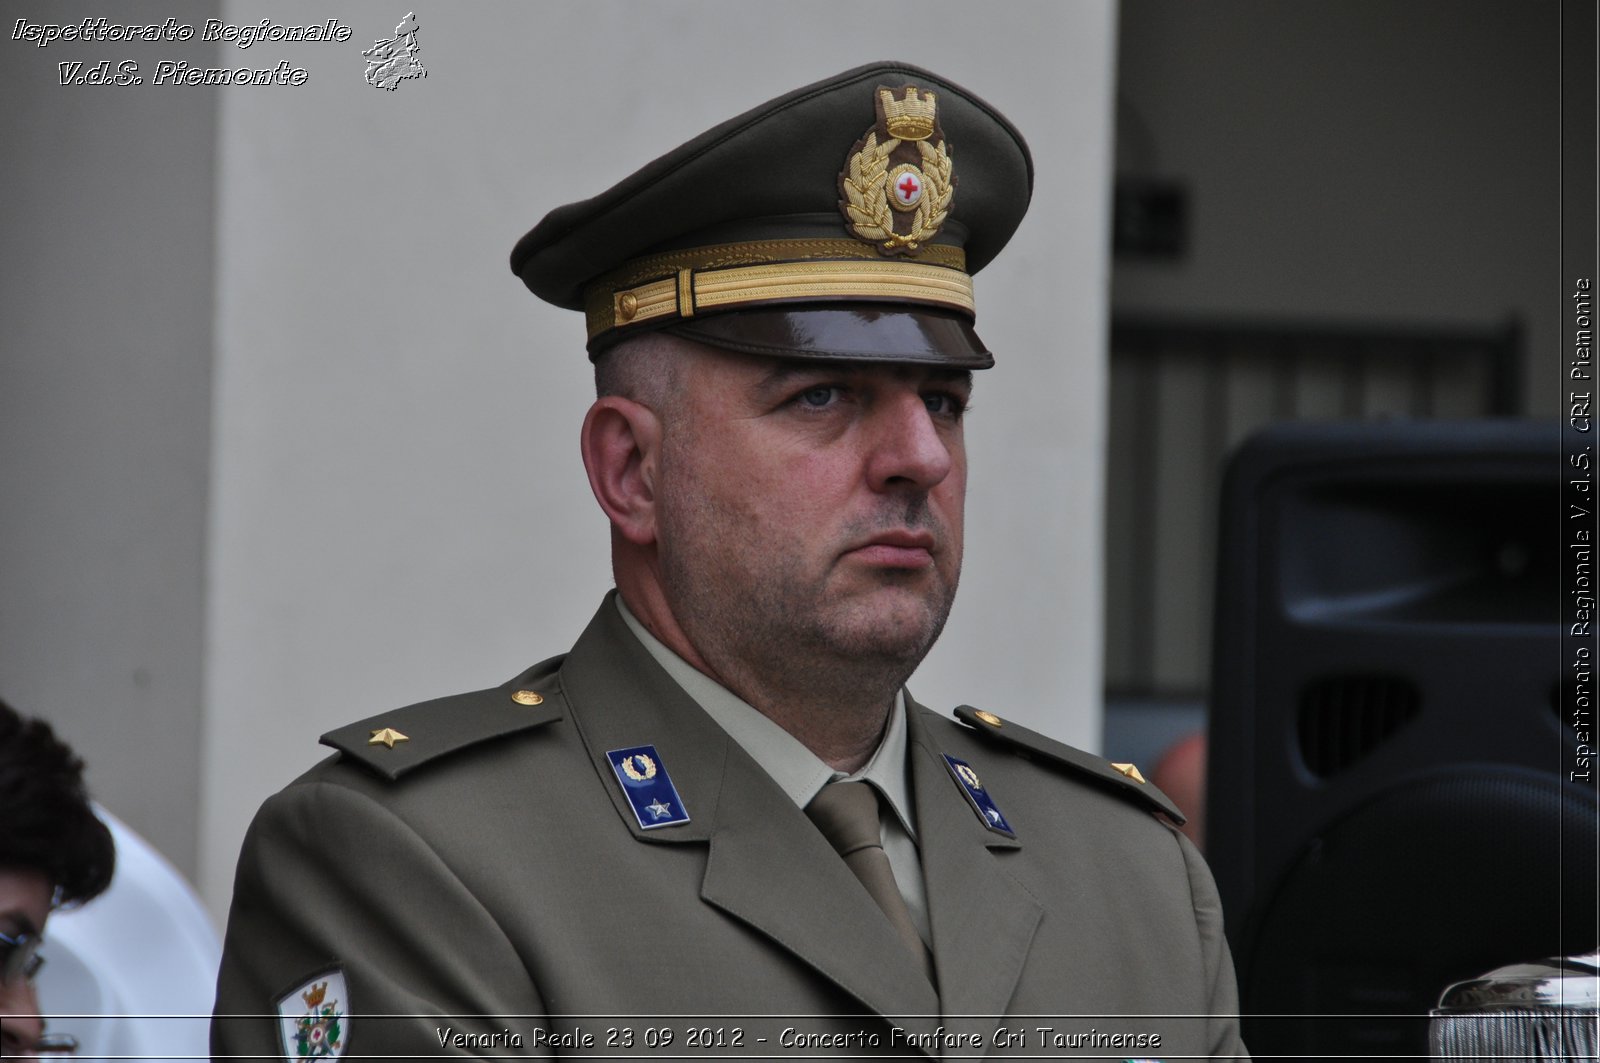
621 443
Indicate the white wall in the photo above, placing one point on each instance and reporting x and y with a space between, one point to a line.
396 506
105 404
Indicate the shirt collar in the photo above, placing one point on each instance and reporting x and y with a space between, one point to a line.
799 772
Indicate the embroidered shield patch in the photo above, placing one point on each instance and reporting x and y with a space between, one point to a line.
314 1018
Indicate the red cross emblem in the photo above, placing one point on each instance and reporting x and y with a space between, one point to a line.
908 189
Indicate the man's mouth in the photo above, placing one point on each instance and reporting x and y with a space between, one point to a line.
896 549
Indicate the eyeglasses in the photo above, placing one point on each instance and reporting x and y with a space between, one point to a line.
19 957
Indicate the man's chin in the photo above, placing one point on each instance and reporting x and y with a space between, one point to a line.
893 623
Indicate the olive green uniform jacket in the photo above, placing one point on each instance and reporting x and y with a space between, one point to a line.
487 876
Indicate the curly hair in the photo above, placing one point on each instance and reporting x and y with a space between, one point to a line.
45 820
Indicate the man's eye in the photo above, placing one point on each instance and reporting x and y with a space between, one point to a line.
944 404
819 396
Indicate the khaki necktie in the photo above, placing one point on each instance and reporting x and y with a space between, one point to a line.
847 815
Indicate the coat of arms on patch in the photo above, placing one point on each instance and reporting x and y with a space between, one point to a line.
313 1019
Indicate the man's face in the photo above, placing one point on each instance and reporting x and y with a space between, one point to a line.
24 905
810 513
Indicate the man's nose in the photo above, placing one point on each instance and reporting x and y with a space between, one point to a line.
909 448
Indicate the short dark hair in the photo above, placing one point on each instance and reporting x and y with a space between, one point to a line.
643 368
46 822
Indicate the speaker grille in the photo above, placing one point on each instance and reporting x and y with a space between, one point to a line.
1343 718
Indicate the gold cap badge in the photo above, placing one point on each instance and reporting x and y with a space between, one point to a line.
896 186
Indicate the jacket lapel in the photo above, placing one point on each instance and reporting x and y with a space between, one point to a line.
767 865
983 919
772 869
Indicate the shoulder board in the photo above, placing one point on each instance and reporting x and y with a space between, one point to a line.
1121 778
395 743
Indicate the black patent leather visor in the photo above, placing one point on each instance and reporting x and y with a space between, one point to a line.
845 333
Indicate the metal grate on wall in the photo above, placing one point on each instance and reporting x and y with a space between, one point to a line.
1184 394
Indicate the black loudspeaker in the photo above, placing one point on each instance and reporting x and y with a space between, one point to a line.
1387 812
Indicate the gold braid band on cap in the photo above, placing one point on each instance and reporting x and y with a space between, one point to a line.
721 289
682 283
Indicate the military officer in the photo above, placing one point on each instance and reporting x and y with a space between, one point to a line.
720 823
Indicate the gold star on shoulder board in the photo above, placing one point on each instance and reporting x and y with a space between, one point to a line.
387 736
1130 771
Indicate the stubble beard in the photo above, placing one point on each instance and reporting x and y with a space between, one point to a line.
765 623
